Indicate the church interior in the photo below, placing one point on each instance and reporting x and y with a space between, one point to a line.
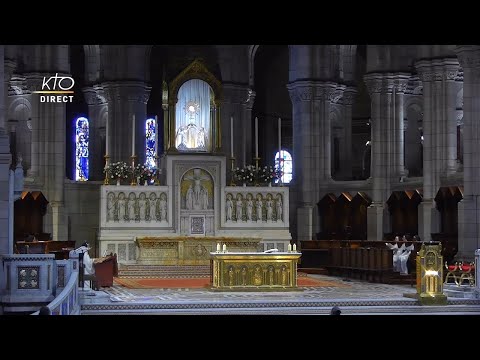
209 179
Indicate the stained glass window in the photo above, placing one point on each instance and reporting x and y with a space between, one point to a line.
150 153
81 149
286 166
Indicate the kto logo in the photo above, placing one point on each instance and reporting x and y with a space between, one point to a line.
56 88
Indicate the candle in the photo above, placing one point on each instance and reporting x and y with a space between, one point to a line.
224 247
289 247
218 247
256 137
294 247
133 135
107 137
231 136
279 143
156 135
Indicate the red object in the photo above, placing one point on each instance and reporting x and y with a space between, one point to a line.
105 269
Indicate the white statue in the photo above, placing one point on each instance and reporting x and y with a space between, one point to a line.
239 208
229 205
268 205
142 206
110 207
131 206
121 207
204 199
153 207
163 208
249 208
189 198
259 209
279 208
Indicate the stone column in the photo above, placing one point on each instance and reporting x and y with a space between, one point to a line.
311 102
400 82
125 98
5 160
380 87
237 102
469 207
34 83
346 145
439 135
96 156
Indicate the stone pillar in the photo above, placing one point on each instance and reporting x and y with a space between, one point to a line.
346 144
125 98
311 101
400 85
439 135
469 207
5 161
237 102
380 87
96 155
34 83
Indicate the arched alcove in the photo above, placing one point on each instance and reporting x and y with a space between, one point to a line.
413 138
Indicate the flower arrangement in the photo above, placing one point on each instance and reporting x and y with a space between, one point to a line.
245 175
267 174
118 170
144 173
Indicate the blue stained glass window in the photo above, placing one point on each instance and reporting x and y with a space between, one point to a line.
81 149
150 153
286 166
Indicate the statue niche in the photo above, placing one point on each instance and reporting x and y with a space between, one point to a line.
197 190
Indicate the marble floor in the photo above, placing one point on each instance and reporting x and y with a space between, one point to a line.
353 297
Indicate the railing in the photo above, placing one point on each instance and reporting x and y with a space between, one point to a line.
68 302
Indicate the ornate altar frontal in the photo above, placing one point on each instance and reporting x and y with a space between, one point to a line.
188 250
254 271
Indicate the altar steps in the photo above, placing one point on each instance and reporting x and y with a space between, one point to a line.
163 271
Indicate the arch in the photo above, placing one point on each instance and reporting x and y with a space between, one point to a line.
19 106
82 136
252 51
286 166
151 128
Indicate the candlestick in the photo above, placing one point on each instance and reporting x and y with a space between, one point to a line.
218 247
224 248
107 138
231 136
280 158
294 247
232 172
133 135
156 135
289 247
106 180
256 137
134 180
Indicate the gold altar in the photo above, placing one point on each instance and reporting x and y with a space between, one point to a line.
254 271
188 250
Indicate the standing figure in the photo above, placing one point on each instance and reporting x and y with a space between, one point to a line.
153 207
122 211
110 206
279 208
268 205
163 208
131 206
229 207
249 208
189 198
142 207
259 209
204 199
239 208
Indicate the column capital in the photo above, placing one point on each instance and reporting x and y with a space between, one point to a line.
468 55
437 69
134 91
309 90
237 94
349 95
90 95
385 82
